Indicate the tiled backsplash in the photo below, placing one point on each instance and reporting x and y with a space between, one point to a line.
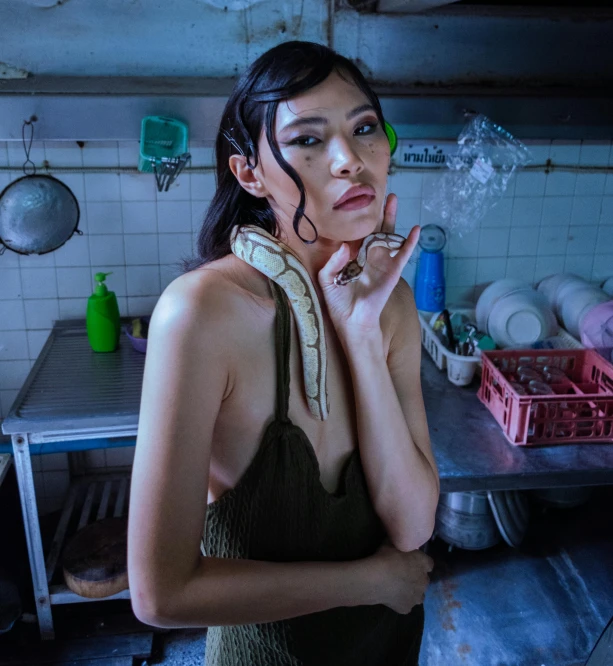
545 223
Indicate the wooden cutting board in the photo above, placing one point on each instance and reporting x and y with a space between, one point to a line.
95 560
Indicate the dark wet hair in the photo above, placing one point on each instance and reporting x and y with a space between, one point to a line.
279 74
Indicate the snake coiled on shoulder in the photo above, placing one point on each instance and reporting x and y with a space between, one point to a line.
277 261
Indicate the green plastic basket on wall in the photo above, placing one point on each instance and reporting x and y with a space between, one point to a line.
161 137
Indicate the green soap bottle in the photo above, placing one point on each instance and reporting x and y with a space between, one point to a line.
102 319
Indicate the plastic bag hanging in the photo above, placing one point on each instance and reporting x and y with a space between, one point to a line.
478 175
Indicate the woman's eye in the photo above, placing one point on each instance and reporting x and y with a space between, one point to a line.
304 141
307 141
367 128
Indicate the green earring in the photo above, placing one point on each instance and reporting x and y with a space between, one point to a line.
392 137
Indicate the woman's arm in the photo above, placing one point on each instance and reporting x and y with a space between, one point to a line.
186 378
392 428
228 592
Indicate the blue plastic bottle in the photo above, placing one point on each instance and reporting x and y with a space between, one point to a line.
430 276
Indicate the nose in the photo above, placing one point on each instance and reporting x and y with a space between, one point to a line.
345 159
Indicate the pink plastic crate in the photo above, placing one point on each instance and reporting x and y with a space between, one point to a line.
580 411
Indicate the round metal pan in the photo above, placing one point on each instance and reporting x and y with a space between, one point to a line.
38 214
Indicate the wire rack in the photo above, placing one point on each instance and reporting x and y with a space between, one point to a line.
89 499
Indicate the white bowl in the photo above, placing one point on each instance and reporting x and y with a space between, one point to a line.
564 291
491 294
521 318
549 285
577 304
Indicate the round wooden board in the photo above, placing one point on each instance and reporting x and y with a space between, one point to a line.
95 561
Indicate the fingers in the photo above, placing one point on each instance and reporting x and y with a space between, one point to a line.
427 560
413 237
408 247
389 214
333 266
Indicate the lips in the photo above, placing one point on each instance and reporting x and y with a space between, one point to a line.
362 193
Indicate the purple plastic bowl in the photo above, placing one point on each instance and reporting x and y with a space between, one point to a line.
140 344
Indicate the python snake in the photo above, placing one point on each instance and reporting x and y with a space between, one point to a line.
278 262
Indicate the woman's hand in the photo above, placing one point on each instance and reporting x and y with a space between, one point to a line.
355 308
403 576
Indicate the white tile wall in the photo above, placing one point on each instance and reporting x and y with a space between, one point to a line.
544 223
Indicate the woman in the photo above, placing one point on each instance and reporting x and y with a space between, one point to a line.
311 534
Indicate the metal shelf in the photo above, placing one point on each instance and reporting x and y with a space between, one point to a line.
89 499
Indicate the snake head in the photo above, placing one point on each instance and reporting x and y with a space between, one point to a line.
350 273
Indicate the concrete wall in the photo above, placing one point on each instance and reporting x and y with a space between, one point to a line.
456 44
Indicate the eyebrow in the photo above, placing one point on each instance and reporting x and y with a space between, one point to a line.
320 120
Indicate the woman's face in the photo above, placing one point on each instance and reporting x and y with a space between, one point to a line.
332 137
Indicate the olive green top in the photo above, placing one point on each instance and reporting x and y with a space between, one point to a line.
280 512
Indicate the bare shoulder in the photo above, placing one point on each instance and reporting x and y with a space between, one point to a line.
403 319
213 303
205 292
402 308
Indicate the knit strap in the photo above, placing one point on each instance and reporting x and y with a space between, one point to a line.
282 350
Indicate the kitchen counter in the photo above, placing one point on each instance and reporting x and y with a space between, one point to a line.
473 454
74 394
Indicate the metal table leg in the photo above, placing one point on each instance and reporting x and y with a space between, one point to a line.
27 496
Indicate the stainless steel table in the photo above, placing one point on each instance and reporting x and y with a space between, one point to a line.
473 454
74 399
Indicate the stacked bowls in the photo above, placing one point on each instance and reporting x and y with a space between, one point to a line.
513 314
571 298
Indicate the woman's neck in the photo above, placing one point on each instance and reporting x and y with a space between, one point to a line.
314 257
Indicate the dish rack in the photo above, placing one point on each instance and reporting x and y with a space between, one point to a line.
581 410
461 369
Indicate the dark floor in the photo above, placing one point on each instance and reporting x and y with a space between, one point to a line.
544 605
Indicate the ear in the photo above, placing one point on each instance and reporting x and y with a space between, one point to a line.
248 177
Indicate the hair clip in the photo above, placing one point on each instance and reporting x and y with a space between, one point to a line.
233 141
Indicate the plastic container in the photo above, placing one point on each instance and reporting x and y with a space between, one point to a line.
578 411
161 137
430 282
460 369
596 328
102 318
140 344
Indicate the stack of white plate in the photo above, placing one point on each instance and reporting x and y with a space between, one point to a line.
513 314
571 298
